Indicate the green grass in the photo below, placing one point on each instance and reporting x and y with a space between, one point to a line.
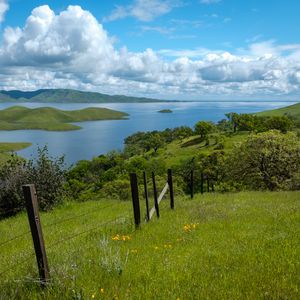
293 110
48 118
7 148
178 150
243 246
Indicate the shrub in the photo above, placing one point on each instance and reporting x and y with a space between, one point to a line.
118 189
269 160
46 173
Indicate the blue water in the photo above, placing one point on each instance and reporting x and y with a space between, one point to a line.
99 137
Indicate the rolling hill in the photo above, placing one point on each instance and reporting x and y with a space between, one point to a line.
48 118
68 96
291 110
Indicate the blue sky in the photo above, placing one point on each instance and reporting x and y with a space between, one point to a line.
201 49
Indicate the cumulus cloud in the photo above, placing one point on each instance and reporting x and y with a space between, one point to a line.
73 50
143 10
3 9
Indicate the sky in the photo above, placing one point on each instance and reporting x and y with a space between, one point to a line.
174 50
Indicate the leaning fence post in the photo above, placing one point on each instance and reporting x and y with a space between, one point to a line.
135 199
146 196
170 182
192 184
155 195
36 231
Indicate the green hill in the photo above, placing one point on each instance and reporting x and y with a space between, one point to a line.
292 110
68 96
7 148
216 246
48 118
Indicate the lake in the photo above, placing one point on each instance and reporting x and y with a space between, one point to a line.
99 137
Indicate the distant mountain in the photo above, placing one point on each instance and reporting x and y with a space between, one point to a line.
68 96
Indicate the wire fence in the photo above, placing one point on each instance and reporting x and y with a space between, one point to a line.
36 229
92 227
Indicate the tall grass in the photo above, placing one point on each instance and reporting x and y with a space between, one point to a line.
232 246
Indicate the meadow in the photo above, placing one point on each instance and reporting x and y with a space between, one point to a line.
53 119
216 246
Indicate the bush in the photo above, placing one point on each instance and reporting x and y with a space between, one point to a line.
269 160
46 173
118 189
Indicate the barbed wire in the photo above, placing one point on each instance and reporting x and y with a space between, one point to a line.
14 238
55 223
89 212
84 232
19 263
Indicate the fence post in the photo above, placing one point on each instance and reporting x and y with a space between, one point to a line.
135 199
36 231
192 184
202 183
155 195
146 196
170 182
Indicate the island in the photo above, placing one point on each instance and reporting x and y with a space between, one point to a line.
52 119
165 111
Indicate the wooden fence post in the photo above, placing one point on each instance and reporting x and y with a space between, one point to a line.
135 199
36 231
170 182
146 196
192 184
202 183
155 195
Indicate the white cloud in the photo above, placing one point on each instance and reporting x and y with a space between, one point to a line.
3 9
72 50
143 10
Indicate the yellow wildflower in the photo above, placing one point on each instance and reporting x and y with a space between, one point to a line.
102 290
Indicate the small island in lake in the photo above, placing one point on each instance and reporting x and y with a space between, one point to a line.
52 119
165 111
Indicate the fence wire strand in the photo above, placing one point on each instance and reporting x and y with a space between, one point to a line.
58 242
89 212
14 238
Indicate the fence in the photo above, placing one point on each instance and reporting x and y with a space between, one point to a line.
36 231
203 178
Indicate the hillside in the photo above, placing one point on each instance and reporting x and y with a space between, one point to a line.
7 148
68 96
216 246
48 118
292 110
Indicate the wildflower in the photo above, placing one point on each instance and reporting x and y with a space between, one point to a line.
102 290
134 251
156 248
93 296
116 238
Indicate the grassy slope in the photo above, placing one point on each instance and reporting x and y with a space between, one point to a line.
176 151
293 110
245 246
5 148
47 118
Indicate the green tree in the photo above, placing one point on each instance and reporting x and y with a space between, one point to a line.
203 128
269 160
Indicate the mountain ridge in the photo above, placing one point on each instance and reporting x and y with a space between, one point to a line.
69 96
